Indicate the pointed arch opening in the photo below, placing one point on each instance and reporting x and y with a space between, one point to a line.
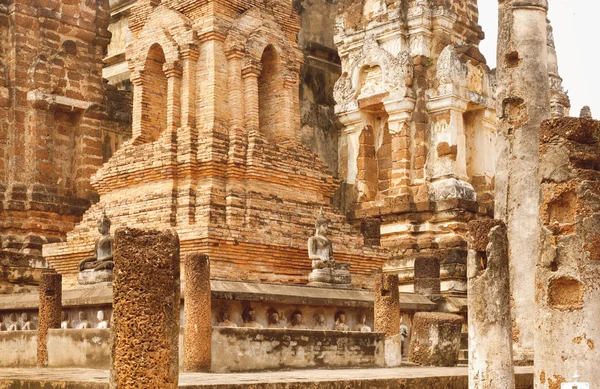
155 92
271 96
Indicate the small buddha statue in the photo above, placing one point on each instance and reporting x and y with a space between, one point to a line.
340 322
14 323
102 322
320 319
64 320
2 326
361 325
320 249
27 324
223 319
103 248
297 321
249 317
83 321
403 337
274 319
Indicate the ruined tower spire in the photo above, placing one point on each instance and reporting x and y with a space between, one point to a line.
523 102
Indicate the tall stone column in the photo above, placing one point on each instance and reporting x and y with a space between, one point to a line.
490 325
567 275
50 307
146 299
523 100
387 316
197 326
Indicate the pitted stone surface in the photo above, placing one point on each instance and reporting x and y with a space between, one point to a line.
50 305
479 231
490 323
145 309
197 325
435 339
568 265
387 304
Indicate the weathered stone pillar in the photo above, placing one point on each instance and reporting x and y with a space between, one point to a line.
523 102
427 276
197 326
567 275
145 330
435 339
50 307
387 316
490 324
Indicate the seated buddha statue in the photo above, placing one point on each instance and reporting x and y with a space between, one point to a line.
103 250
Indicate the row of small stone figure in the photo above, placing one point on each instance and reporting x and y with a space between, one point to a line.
249 318
83 321
14 325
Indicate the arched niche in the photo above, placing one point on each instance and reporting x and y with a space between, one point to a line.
154 95
271 96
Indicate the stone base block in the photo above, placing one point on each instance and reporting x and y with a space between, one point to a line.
87 277
338 277
451 188
393 351
435 339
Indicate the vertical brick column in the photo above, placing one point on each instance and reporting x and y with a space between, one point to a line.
290 87
399 126
197 325
250 74
427 275
387 316
189 57
50 307
236 88
173 72
490 324
146 300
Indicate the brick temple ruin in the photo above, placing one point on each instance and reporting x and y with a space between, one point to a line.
278 184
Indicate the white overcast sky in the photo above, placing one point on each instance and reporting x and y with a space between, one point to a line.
577 37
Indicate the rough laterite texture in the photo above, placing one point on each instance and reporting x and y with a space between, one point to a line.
523 102
427 275
50 307
568 264
146 300
387 304
435 339
197 324
490 325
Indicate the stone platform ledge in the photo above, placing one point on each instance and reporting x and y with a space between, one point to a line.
413 377
101 294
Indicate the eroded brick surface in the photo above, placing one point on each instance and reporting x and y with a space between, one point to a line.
53 119
216 149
